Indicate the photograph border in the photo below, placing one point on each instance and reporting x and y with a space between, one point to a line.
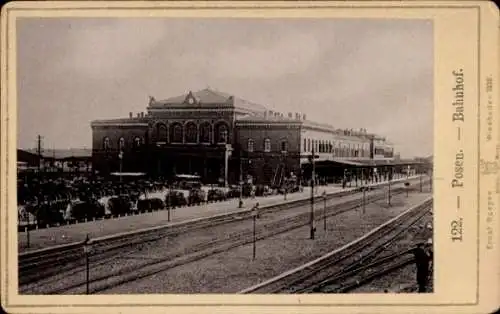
6 11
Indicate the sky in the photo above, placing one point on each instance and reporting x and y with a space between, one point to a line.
350 73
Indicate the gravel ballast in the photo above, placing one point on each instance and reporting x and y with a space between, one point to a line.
234 270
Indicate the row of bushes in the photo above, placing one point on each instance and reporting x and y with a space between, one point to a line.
53 213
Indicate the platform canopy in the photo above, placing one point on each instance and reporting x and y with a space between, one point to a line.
128 174
365 163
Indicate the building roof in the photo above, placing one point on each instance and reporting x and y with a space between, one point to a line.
134 121
263 118
208 98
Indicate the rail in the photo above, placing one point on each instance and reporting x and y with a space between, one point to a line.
282 281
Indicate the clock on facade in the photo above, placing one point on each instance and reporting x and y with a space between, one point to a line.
191 101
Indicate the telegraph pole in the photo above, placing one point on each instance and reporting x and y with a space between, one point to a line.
39 152
313 176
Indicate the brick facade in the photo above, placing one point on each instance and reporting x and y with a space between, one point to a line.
217 136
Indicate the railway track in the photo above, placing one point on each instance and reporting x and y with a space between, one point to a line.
311 276
361 275
196 252
364 261
39 264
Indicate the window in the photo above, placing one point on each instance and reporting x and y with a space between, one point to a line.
161 132
121 143
205 132
267 145
191 132
304 147
284 146
176 133
221 133
250 146
137 142
106 143
308 144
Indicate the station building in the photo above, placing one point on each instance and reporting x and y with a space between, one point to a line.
224 139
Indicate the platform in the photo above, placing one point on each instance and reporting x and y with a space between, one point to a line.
43 238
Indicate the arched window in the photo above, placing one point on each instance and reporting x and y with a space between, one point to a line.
267 145
191 132
137 142
161 132
106 143
221 132
251 144
121 143
308 144
284 146
176 133
205 132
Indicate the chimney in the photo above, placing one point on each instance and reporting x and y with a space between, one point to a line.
142 114
289 115
138 115
130 114
304 116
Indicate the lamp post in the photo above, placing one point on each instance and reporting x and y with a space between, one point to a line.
28 229
120 156
169 201
255 215
420 178
313 175
86 249
324 210
364 199
285 181
285 187
389 195
240 203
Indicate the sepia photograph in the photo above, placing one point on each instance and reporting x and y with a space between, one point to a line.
224 155
241 157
